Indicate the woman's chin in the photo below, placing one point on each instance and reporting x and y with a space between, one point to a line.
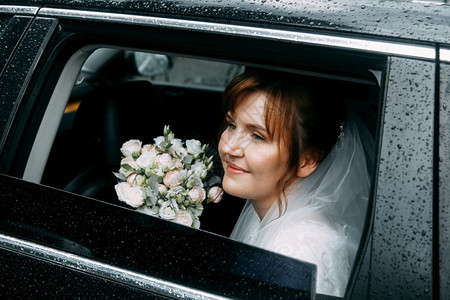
233 188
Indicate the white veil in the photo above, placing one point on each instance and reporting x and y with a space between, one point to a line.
338 189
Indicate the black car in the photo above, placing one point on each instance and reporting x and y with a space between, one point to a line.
78 78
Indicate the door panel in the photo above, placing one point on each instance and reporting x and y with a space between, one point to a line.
402 233
444 178
122 238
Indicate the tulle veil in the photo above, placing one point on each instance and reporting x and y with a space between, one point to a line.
337 190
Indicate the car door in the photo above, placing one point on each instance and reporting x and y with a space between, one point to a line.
396 79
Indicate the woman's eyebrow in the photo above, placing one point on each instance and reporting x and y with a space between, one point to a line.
253 126
257 127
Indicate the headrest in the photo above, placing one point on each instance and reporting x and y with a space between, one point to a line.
114 114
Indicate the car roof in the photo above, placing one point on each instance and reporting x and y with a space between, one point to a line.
423 21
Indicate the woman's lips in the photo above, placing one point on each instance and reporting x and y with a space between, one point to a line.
234 169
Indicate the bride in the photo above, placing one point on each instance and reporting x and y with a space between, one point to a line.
291 149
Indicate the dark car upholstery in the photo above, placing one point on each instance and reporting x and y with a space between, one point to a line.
103 122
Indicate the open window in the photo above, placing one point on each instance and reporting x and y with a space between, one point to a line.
122 94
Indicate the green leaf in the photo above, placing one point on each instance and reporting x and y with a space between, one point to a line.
153 184
136 155
127 167
152 199
158 178
187 159
120 176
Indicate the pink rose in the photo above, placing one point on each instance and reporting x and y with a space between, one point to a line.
215 194
135 179
197 194
173 178
184 218
162 189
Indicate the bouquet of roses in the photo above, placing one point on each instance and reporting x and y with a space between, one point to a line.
167 179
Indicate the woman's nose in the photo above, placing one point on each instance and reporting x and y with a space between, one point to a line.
233 145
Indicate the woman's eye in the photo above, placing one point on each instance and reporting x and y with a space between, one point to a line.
258 137
231 125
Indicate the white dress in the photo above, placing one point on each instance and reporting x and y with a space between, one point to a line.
300 240
323 216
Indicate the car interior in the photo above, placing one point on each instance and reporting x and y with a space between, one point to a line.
123 94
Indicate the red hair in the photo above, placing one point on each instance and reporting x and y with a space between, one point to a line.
299 114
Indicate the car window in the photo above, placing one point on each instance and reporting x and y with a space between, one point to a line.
153 90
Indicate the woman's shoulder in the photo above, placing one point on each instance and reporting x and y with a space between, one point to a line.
320 243
320 234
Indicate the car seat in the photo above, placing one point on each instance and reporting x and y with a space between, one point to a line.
104 121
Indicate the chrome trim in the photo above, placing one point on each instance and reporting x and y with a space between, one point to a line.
73 261
390 48
429 2
444 55
22 10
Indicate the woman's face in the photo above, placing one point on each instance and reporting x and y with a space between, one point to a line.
253 163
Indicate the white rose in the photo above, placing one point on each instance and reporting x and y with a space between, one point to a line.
197 194
128 148
135 179
184 218
166 211
177 149
129 161
173 178
146 159
198 168
158 140
173 192
194 147
215 194
130 195
195 181
165 161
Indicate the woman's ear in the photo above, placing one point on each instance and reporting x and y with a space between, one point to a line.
307 165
